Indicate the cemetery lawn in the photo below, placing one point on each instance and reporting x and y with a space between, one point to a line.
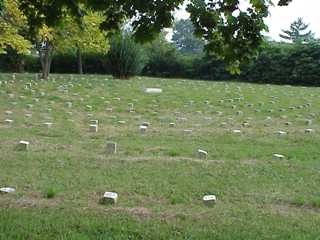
157 174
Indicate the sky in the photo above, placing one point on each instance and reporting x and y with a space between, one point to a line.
281 17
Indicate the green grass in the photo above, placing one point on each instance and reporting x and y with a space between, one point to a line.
160 181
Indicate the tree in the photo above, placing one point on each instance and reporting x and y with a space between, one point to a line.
162 57
68 33
231 34
184 38
12 22
125 56
298 32
45 46
84 37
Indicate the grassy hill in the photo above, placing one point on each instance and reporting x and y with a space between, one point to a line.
157 174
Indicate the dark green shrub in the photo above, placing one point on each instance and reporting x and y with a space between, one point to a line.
165 61
125 56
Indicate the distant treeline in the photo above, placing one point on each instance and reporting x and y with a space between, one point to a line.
279 63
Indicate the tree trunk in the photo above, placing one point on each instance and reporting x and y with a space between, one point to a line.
45 60
21 65
79 61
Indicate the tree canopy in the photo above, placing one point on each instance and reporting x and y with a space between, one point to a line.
231 33
88 37
12 22
184 38
298 32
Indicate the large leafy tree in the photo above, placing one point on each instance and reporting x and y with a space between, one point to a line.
85 37
184 38
232 34
12 23
298 32
68 33
45 45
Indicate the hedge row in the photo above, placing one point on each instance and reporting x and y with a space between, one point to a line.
278 63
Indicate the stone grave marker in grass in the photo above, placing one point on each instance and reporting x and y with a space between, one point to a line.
309 130
278 156
143 128
93 128
202 154
111 148
209 200
172 124
8 121
23 145
7 190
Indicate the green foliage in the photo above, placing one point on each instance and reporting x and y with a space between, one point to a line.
210 68
232 34
280 63
12 61
87 36
50 193
184 38
283 63
298 32
125 56
93 63
12 22
163 59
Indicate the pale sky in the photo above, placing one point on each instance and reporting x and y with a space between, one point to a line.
282 17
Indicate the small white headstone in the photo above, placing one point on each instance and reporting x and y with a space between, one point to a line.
8 121
143 128
94 122
278 156
7 190
202 154
209 199
237 131
245 124
187 130
93 128
309 130
110 198
8 112
153 90
281 133
23 145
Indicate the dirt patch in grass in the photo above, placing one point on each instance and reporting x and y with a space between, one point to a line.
169 159
29 200
140 212
291 210
249 162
